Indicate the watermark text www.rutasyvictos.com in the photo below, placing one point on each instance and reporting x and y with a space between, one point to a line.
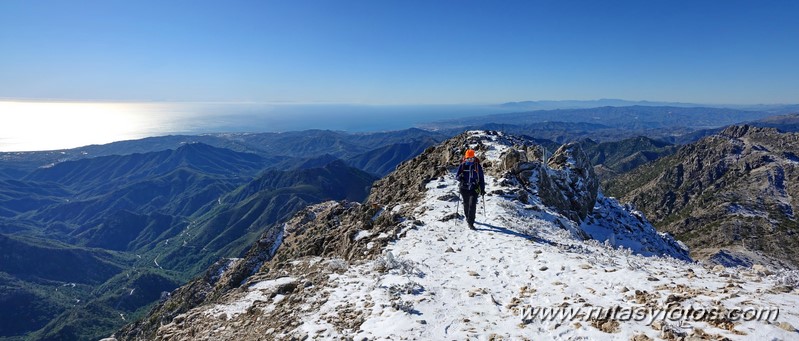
647 314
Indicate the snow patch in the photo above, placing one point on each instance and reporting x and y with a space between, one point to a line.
377 214
258 292
361 235
744 211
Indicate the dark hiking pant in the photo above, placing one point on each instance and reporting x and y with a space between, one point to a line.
469 204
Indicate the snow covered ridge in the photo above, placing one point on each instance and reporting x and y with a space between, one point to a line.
406 267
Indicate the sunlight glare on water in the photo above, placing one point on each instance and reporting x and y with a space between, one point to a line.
28 126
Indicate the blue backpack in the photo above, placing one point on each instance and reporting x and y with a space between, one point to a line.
470 178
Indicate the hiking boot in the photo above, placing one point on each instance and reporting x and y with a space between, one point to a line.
471 226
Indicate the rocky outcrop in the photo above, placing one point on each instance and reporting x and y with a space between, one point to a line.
520 156
574 179
567 183
731 197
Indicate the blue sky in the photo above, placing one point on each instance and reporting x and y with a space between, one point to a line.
400 52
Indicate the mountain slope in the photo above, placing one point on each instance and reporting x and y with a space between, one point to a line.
784 123
384 160
311 143
36 260
40 279
124 229
404 266
731 197
18 197
242 215
612 158
180 193
98 175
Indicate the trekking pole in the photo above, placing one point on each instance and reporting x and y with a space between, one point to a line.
484 207
457 205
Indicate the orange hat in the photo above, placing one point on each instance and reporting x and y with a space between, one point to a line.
469 153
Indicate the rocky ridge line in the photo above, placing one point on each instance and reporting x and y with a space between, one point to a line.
331 237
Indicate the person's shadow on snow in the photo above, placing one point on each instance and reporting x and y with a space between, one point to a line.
499 229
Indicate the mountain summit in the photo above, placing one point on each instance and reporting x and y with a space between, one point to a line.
404 265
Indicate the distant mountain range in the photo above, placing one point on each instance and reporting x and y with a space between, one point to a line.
585 104
676 125
627 118
606 102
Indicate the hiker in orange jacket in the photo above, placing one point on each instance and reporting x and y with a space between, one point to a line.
472 184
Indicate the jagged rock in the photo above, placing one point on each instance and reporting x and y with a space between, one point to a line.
577 183
735 131
522 196
449 197
450 216
669 332
607 326
285 288
568 183
781 289
509 160
787 326
671 299
762 270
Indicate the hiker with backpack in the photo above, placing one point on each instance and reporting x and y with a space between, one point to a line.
472 184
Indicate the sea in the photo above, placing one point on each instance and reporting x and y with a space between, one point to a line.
53 125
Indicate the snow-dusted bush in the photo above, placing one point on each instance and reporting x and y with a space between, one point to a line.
402 305
788 278
406 288
337 265
388 262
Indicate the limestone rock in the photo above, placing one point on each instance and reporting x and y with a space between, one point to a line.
574 186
